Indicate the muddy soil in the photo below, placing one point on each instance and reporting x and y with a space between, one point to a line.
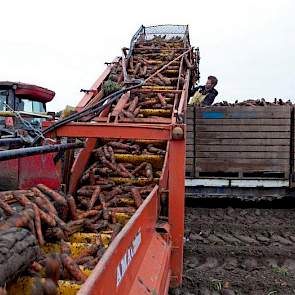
239 251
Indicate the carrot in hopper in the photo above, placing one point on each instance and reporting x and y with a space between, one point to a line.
38 227
106 152
107 163
52 194
136 111
155 150
90 251
88 213
128 114
75 226
137 68
72 206
139 167
122 209
52 267
55 233
46 202
36 267
111 151
137 197
102 171
23 200
18 219
162 99
94 197
73 269
8 210
133 104
123 169
83 260
116 229
64 248
119 145
149 170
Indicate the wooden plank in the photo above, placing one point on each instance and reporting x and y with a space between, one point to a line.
190 112
190 128
189 148
239 142
190 134
189 121
241 128
242 135
243 113
229 121
241 148
244 155
190 140
189 161
244 165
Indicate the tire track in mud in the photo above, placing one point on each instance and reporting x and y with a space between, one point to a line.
239 251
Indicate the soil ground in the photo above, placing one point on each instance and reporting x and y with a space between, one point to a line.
239 249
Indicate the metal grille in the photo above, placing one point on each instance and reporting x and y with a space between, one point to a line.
170 31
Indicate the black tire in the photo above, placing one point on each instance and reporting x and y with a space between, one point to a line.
18 249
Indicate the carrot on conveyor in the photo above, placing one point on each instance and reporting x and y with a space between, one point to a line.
137 197
73 269
64 248
72 207
94 197
88 213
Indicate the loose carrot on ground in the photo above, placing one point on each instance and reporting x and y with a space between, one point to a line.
64 248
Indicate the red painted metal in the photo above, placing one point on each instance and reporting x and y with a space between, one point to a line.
38 169
103 279
30 91
26 172
80 163
135 131
176 206
88 96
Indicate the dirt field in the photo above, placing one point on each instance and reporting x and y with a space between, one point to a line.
237 250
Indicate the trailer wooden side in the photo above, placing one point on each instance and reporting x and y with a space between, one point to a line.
241 142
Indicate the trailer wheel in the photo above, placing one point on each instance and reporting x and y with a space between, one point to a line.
18 249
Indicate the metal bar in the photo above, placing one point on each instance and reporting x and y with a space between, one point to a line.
88 96
25 114
124 130
7 141
25 152
176 207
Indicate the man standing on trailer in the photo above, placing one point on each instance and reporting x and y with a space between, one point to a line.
204 95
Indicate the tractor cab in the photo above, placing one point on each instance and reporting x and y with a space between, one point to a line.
26 100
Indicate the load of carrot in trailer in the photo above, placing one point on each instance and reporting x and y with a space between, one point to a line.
115 225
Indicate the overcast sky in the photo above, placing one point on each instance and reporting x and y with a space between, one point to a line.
62 45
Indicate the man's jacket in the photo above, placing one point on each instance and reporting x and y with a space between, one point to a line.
201 96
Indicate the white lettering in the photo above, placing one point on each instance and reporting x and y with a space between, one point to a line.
127 258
